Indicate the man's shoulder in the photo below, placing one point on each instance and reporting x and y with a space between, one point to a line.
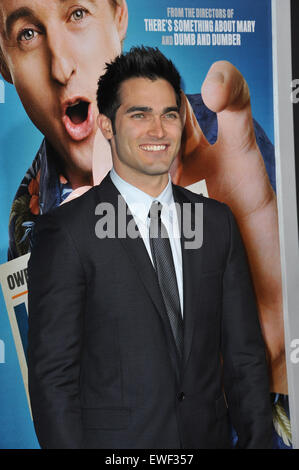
191 196
216 215
72 213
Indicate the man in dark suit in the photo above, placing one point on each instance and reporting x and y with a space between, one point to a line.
139 338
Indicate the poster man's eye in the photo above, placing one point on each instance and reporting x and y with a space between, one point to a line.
27 35
78 14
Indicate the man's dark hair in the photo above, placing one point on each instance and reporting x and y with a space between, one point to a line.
144 62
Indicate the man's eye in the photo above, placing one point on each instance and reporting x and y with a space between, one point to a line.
78 14
171 116
138 116
27 35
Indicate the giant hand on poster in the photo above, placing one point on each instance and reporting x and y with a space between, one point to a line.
54 65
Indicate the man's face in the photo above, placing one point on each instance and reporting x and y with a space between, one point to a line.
148 129
55 52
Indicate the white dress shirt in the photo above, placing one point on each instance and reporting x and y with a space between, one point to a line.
139 204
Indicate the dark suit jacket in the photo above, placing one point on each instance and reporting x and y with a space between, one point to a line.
103 368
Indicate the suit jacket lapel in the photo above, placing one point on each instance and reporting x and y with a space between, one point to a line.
192 261
139 257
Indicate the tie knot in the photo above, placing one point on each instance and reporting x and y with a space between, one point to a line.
155 210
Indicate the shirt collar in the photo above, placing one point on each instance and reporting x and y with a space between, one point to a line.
140 202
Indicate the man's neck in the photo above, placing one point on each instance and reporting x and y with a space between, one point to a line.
77 180
153 185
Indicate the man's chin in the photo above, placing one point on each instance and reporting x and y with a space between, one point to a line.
77 162
156 167
157 170
79 177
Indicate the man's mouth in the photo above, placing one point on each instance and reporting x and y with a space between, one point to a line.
153 148
78 118
78 112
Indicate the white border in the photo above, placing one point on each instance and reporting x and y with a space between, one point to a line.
286 193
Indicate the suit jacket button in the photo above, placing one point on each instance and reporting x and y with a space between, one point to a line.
181 396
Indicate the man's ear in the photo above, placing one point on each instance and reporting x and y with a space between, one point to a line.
121 18
4 69
105 125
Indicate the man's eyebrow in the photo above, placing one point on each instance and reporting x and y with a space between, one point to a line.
89 1
23 12
93 2
171 109
146 109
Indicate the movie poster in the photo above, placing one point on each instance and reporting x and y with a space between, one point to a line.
195 35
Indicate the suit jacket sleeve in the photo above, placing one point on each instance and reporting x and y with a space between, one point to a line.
244 361
56 304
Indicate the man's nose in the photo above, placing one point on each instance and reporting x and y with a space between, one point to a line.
62 62
156 128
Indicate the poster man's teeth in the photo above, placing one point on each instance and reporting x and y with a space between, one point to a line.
74 104
153 148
